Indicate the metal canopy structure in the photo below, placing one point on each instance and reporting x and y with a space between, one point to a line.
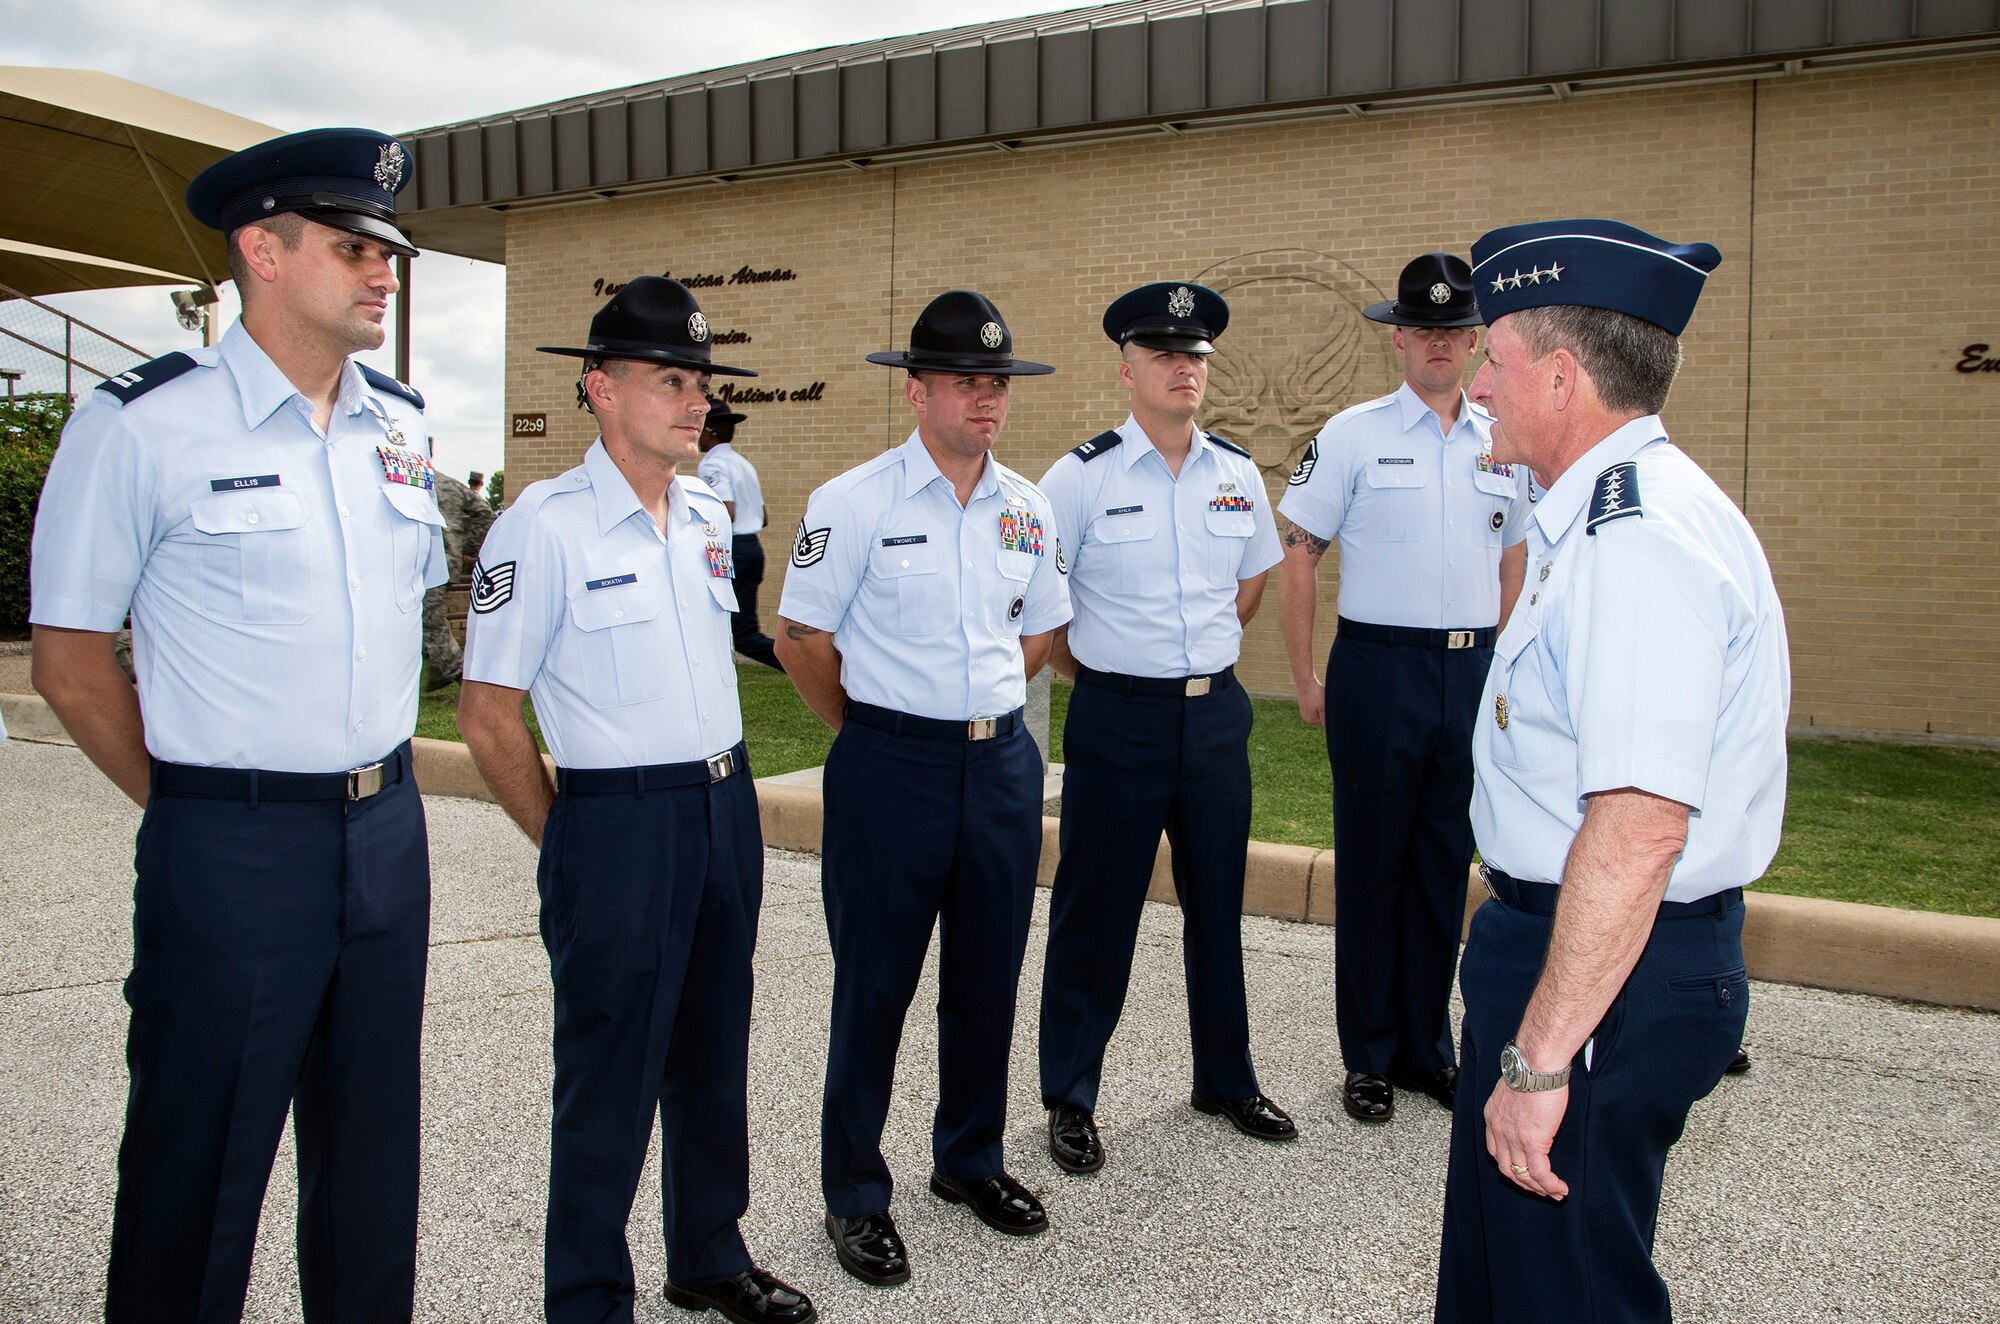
99 165
1138 67
29 269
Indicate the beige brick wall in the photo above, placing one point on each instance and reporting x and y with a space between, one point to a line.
1870 263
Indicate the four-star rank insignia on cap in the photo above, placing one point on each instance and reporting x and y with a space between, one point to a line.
1306 463
1616 496
492 588
389 166
810 549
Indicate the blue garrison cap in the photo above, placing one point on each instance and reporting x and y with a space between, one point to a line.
1590 264
345 178
1172 315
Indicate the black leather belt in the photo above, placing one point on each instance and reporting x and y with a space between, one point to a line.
1413 637
254 784
937 728
1540 898
652 777
1188 687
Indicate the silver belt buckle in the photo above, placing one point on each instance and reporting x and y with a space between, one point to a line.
1458 638
1196 687
722 765
982 728
364 782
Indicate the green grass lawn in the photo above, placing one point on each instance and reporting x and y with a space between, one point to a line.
1916 826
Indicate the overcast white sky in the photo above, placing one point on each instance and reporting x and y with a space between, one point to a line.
301 64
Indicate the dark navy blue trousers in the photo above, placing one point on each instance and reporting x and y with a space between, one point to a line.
746 553
1509 1255
278 963
650 900
1137 765
1399 738
923 831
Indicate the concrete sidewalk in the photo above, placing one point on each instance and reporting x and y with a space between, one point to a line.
1851 1175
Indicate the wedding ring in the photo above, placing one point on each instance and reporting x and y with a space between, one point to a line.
1518 1167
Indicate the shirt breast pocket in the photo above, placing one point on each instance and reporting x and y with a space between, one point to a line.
1395 506
723 590
416 523
1498 493
915 590
618 665
1521 693
1228 536
255 555
1128 541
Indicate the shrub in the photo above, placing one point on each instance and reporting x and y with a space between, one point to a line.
29 429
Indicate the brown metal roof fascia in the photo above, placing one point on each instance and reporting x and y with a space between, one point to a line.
1159 63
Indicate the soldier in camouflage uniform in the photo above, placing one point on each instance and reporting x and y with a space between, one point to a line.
467 516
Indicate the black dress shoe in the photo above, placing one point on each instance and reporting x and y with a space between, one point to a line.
1255 1116
1002 1203
1368 1098
751 1297
870 1248
1738 1064
1441 1083
1073 1140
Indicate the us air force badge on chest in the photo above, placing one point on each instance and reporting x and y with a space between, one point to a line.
1020 529
810 549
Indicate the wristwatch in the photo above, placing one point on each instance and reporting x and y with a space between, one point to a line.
1523 1079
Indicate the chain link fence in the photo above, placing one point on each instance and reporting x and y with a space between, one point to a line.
43 351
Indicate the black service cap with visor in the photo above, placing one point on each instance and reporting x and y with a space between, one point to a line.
343 178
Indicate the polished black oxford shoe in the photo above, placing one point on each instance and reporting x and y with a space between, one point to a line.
1368 1097
751 1297
1002 1203
1073 1139
1255 1116
1738 1064
870 1248
1441 1083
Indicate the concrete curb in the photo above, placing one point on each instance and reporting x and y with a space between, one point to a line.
1953 960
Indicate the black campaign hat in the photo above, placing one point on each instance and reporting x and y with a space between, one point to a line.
720 412
1171 315
652 320
1434 290
961 331
344 178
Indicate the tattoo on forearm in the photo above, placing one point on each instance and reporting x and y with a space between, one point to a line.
801 631
1298 537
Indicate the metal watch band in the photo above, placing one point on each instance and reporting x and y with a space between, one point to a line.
1524 1079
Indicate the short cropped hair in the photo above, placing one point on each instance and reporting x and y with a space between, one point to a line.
289 226
1630 361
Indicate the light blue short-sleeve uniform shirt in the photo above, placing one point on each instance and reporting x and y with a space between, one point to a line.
1154 559
274 573
1648 651
927 602
620 635
734 479
1421 518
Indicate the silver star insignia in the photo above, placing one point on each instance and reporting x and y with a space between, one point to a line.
1499 284
1514 281
1535 276
1554 272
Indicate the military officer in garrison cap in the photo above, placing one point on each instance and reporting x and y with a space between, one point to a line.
924 589
606 593
733 478
1429 524
1169 537
263 510
1631 781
